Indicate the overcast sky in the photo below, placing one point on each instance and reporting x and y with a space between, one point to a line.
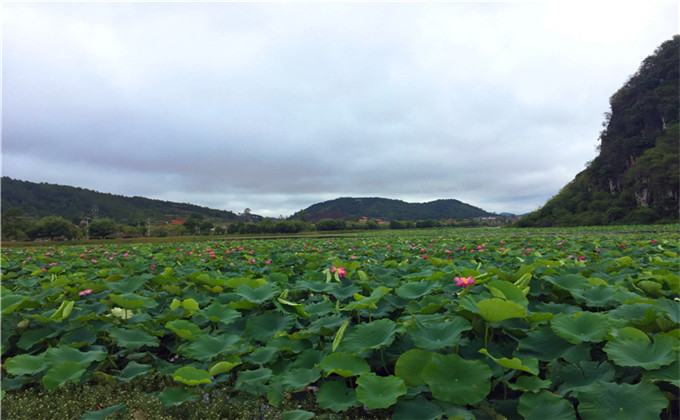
277 106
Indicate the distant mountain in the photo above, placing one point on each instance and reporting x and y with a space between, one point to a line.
635 179
72 203
389 209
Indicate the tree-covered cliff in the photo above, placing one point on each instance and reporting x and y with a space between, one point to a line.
636 177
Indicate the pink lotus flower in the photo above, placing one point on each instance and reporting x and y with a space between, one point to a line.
581 258
268 262
464 281
85 292
341 271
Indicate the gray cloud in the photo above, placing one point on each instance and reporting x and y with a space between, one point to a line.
275 106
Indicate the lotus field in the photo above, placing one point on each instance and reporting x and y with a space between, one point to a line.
467 324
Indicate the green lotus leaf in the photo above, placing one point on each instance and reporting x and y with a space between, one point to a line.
415 289
297 415
670 307
132 301
336 396
297 307
584 326
61 354
134 369
217 312
254 381
262 355
530 384
10 301
191 376
434 336
236 282
184 329
206 347
454 379
572 377
528 365
62 373
339 335
31 337
545 405
104 412
379 391
651 288
63 311
265 326
410 364
668 373
345 365
127 285
417 408
508 291
634 312
373 335
298 378
601 296
224 366
607 400
542 344
496 310
259 294
26 364
176 396
363 302
132 339
648 355
79 337
569 281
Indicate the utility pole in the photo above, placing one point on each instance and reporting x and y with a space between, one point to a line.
148 227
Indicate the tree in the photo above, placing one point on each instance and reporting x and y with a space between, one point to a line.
193 223
52 227
331 224
14 223
101 228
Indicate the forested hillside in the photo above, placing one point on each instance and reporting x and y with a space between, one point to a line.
635 178
388 209
41 199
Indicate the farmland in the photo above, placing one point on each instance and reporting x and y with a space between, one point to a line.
535 324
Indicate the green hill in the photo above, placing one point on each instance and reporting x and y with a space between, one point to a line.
42 199
635 178
389 209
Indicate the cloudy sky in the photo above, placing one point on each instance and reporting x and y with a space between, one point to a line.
277 106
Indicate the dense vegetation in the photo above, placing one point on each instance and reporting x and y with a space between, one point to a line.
471 324
349 208
37 200
636 176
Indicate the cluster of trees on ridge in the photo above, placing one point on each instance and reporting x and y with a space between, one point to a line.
635 179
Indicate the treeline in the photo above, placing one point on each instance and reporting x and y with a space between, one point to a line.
16 225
